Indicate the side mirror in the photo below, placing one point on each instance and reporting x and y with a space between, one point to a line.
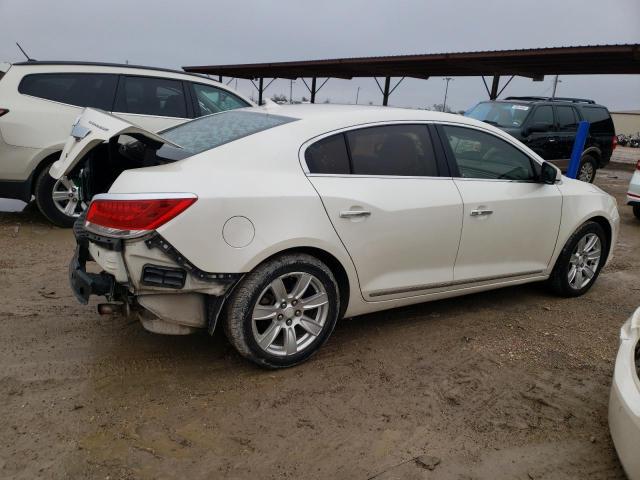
548 174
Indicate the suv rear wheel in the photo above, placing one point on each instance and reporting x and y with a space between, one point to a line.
58 200
587 170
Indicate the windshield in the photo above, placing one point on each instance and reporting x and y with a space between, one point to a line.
500 114
209 132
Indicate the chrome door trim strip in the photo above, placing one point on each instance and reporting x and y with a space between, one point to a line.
454 283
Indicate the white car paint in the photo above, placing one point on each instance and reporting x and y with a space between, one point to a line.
418 244
36 128
633 192
624 401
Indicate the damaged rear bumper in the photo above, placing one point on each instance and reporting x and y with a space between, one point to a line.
152 281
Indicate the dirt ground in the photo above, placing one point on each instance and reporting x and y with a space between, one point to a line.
507 384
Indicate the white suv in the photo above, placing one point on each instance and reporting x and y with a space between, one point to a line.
39 101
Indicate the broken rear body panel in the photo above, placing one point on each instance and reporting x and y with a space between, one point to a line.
147 276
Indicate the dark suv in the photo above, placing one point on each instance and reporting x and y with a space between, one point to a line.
548 126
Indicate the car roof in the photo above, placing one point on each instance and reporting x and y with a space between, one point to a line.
37 63
331 116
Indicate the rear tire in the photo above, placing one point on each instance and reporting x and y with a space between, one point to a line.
54 210
576 256
272 318
587 169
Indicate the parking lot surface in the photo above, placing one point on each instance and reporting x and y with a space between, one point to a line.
512 383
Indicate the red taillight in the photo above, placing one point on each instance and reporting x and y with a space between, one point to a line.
614 142
638 166
137 215
3 111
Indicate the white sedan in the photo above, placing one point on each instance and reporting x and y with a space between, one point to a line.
633 193
624 402
278 221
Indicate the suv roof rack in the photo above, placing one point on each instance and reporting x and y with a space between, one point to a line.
106 64
553 99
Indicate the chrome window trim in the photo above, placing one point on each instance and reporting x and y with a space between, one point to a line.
380 123
500 135
387 177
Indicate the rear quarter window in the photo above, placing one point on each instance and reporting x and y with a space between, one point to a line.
95 90
599 119
328 156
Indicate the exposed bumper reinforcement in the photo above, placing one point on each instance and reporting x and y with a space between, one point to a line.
84 284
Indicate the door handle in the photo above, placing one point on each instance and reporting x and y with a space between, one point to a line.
354 213
479 213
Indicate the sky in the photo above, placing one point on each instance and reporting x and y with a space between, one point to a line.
208 32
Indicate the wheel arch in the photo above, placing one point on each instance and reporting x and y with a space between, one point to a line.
43 163
608 230
594 152
216 305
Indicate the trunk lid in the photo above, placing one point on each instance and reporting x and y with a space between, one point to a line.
93 128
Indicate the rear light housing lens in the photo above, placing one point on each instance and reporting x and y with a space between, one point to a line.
134 215
3 111
614 142
638 166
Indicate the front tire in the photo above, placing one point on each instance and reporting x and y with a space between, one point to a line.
283 311
58 200
580 261
636 211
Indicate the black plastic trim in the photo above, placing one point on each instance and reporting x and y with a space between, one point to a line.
18 189
162 276
157 241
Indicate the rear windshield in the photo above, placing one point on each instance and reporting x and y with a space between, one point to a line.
209 132
500 114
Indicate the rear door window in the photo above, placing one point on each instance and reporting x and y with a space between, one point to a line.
542 118
567 119
94 90
211 99
403 150
159 97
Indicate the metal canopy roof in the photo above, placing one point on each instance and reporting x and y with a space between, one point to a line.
533 63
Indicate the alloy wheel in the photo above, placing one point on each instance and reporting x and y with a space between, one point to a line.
290 314
66 197
584 261
586 172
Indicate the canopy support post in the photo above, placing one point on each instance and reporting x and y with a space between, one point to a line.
494 87
385 94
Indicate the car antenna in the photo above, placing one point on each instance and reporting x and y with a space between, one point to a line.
29 59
